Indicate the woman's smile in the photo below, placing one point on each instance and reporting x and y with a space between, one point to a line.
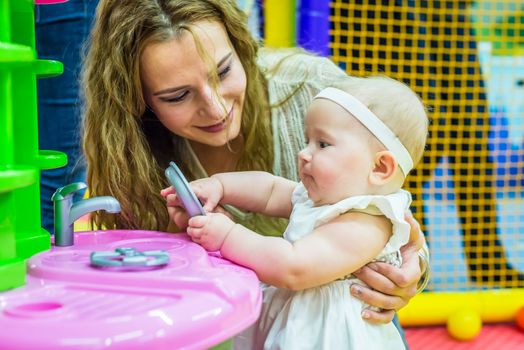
220 125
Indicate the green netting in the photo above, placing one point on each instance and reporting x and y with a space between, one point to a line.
466 60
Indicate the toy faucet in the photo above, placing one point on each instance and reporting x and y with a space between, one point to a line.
67 212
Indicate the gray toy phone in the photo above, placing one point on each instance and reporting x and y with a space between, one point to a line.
184 191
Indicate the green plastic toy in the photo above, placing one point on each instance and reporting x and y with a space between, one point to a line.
21 235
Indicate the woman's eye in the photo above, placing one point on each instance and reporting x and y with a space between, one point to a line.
177 98
224 71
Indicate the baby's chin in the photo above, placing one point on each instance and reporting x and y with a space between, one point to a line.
321 196
319 200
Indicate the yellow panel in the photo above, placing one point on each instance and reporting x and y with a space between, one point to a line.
279 25
435 308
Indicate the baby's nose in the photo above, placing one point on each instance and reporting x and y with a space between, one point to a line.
304 155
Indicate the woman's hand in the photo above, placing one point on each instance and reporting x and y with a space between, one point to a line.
175 208
391 288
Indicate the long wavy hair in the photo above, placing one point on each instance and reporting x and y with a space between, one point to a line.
126 147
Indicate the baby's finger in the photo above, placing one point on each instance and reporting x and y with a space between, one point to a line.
194 233
198 221
209 203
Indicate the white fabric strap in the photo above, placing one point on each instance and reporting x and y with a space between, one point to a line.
376 126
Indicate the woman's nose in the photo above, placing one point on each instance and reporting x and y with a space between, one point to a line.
212 106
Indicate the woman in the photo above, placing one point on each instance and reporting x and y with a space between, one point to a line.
184 81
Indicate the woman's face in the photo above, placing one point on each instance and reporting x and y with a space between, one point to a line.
177 85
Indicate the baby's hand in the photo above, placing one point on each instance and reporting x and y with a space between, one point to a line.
210 231
209 191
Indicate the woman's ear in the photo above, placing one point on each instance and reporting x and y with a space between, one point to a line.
384 169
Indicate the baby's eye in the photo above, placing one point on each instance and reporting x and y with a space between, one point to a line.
323 144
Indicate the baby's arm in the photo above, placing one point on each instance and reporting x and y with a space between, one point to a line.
257 191
254 191
332 251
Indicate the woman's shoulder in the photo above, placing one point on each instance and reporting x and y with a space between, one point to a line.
272 56
296 64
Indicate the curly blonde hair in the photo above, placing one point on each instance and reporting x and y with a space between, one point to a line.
126 147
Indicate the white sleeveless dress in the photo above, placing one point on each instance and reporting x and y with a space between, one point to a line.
328 317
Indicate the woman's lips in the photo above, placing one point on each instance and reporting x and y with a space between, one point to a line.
218 126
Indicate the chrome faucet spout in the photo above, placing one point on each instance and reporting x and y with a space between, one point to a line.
67 212
83 207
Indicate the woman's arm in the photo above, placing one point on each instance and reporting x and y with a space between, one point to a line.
391 288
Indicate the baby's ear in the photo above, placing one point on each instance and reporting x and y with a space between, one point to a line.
384 169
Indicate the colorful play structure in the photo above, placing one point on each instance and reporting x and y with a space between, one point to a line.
471 183
20 159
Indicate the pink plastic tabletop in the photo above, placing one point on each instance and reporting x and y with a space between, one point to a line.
195 301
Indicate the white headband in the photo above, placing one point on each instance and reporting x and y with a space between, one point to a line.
377 127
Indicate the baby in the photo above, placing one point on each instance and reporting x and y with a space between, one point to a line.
363 136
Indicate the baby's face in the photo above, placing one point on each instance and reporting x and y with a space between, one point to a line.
339 155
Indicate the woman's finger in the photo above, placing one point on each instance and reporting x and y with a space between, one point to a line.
179 217
377 278
416 236
376 317
220 210
377 299
172 200
401 277
167 191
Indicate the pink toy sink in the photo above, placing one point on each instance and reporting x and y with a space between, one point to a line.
195 301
